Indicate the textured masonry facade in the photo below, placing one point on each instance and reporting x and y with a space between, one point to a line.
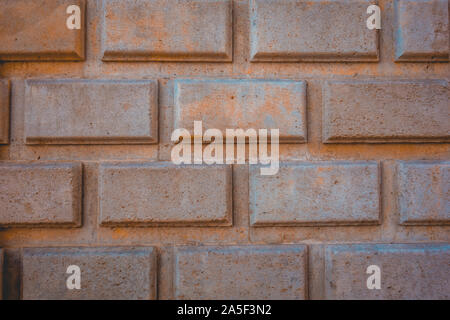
86 176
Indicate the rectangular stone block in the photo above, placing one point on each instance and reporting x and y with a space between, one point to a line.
424 192
407 271
37 30
4 111
40 194
311 30
162 30
421 30
322 193
105 273
241 272
91 112
162 193
243 104
385 111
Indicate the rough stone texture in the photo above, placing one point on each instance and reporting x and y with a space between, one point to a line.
106 273
1 274
36 30
163 193
242 104
241 272
386 111
40 194
91 112
421 30
305 193
315 75
4 111
162 30
408 271
317 30
424 192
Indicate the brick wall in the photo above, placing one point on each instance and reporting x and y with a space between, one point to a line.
86 118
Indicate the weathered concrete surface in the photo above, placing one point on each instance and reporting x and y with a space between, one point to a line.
241 272
306 193
408 271
421 30
1 274
242 104
4 111
318 30
143 194
106 273
91 112
386 111
424 192
165 237
161 30
36 30
40 194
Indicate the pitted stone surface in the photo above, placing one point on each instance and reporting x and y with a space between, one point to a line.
91 112
36 31
40 194
424 192
385 111
105 273
241 272
243 104
305 193
86 124
163 193
422 30
408 271
311 30
162 30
